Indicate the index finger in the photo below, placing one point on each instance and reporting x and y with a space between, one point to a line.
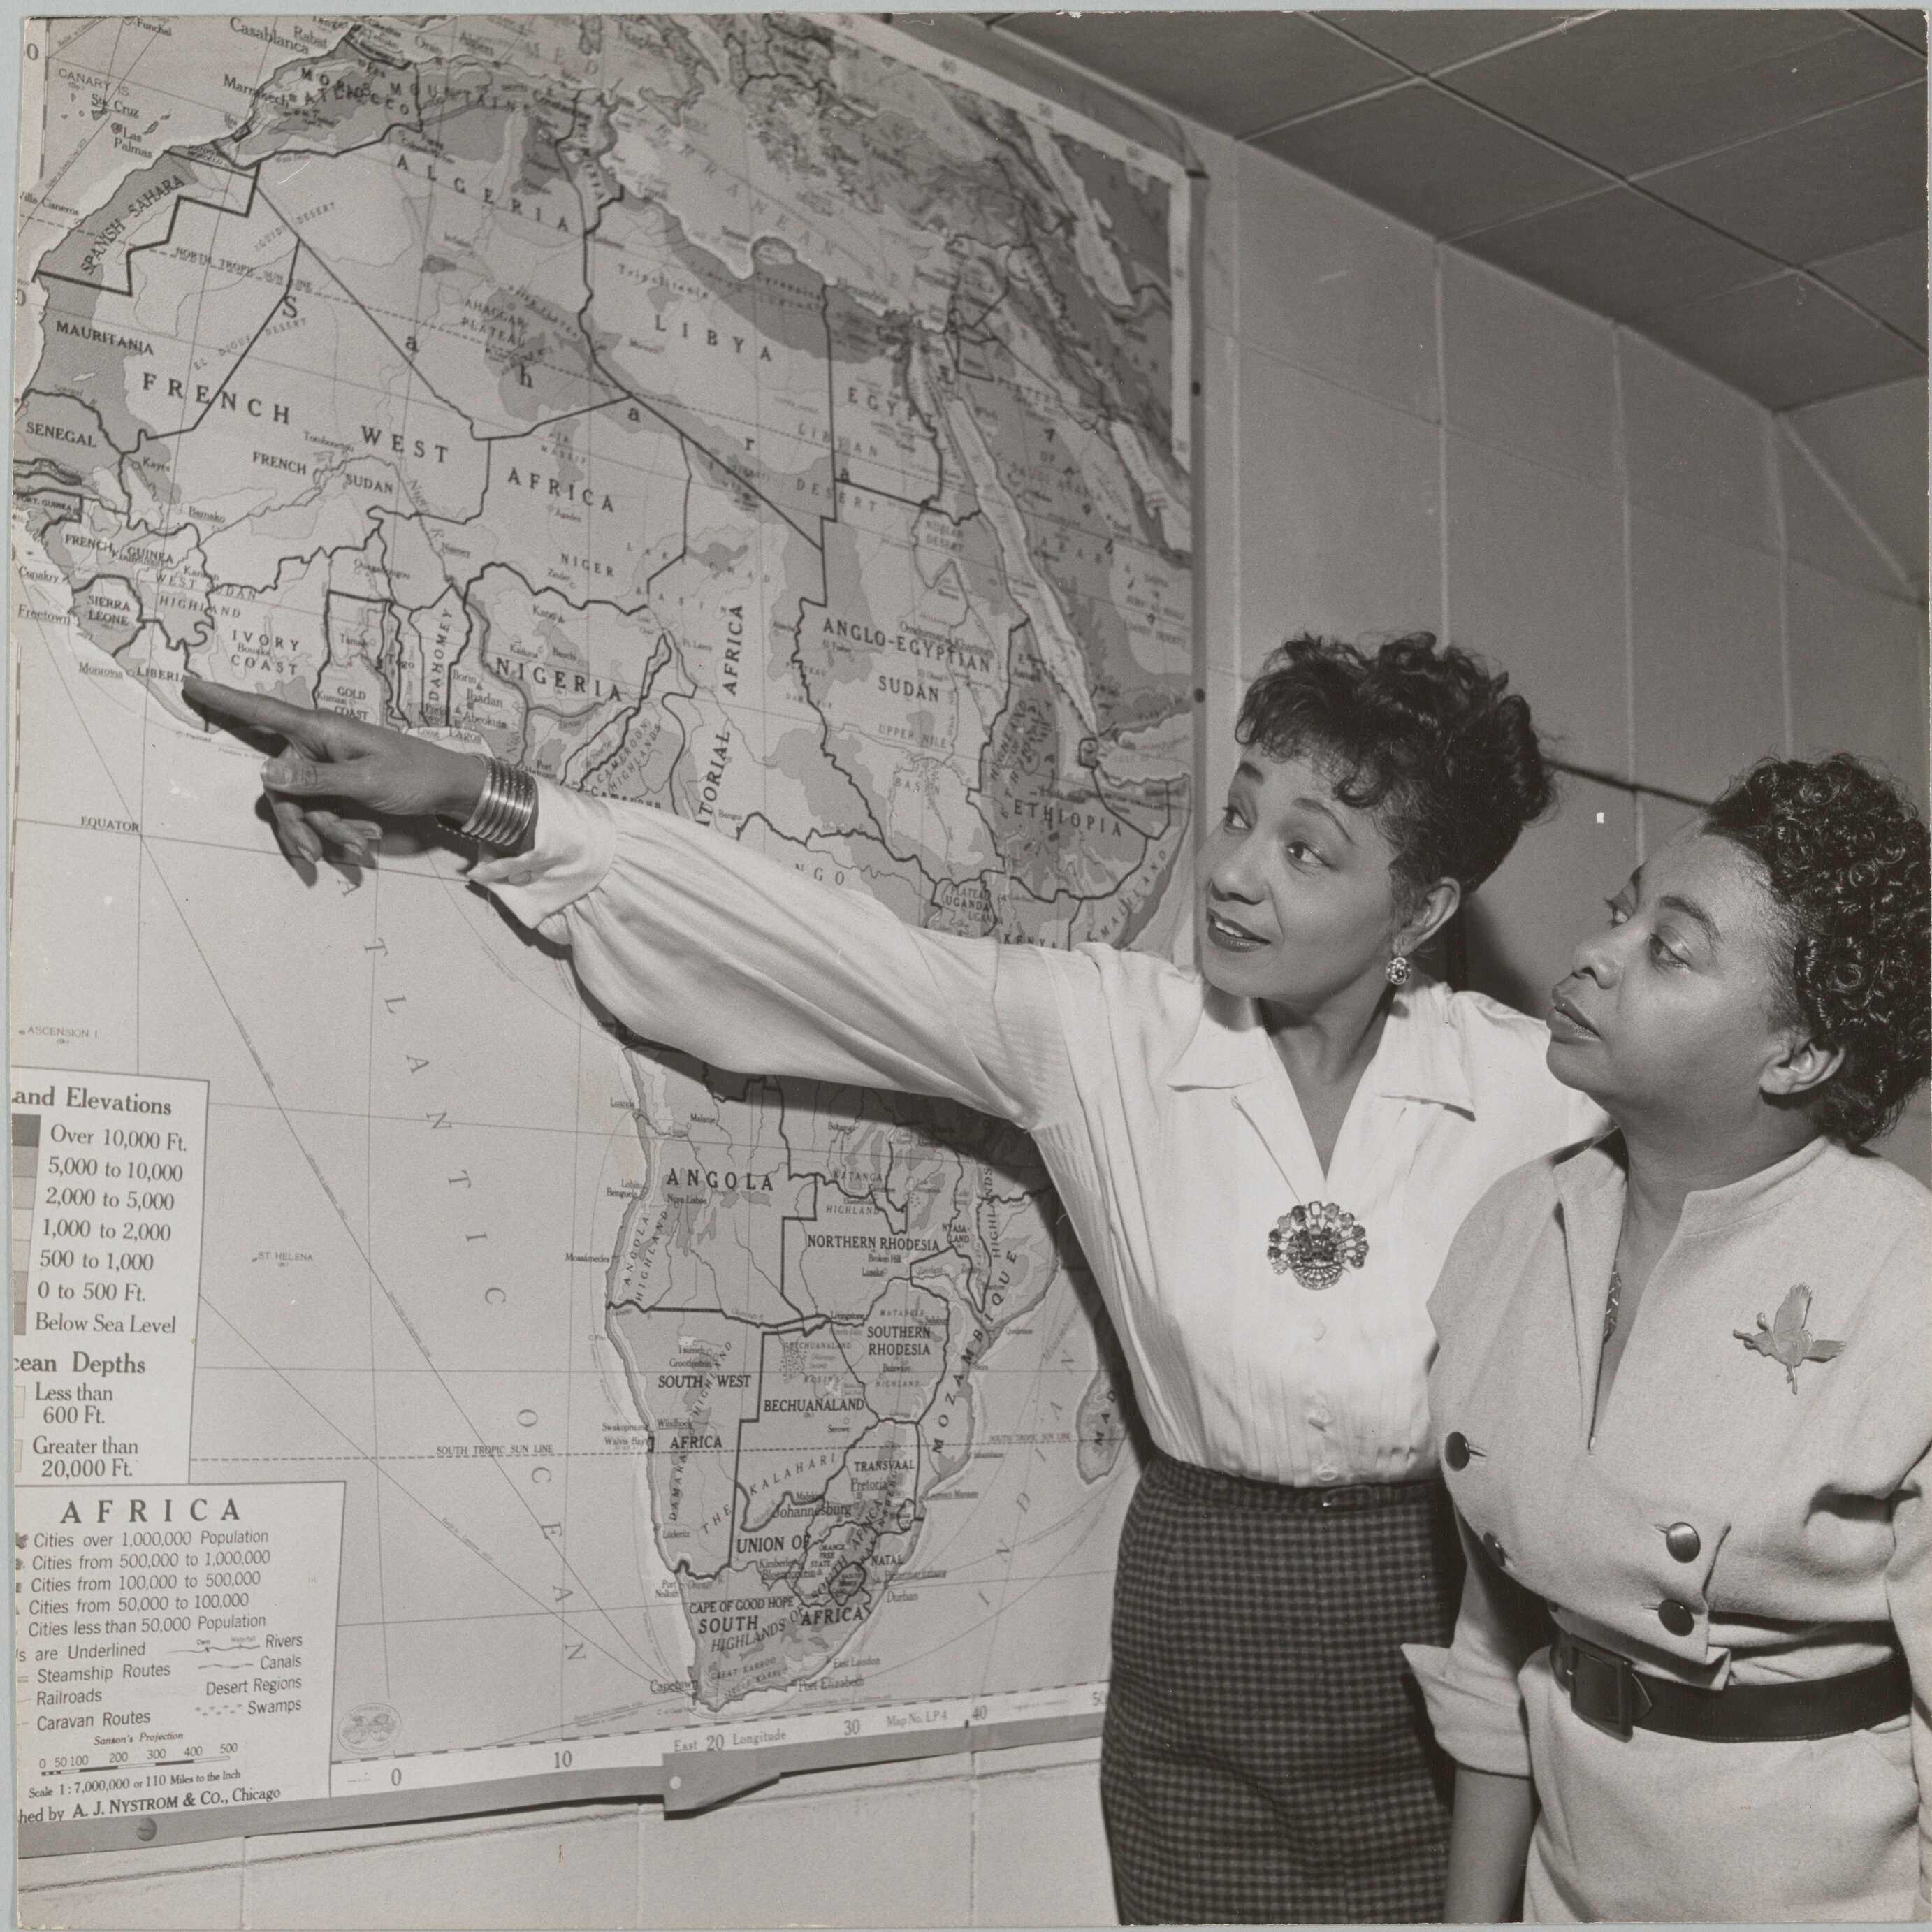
313 730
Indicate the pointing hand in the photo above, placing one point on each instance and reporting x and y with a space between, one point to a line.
333 770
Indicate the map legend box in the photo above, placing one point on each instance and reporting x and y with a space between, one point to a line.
175 1647
107 1285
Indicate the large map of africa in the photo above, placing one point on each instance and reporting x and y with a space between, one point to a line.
767 419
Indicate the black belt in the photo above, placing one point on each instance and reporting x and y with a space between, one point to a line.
1609 1691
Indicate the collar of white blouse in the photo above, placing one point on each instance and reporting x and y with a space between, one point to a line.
1419 1057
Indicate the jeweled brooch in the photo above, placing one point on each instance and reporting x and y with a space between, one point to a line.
1317 1240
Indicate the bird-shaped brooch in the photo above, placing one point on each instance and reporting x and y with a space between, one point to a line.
1785 1339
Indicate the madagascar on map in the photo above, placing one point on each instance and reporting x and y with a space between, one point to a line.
767 418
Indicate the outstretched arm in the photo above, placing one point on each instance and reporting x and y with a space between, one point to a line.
691 939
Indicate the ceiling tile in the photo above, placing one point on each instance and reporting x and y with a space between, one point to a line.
1430 159
1619 252
1429 39
1908 23
1237 72
1888 277
1635 89
1826 185
1785 342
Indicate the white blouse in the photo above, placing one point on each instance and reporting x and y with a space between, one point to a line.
1162 1110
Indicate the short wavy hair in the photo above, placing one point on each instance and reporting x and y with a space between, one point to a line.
1845 855
1424 737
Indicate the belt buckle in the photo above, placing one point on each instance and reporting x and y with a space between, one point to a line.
1604 1689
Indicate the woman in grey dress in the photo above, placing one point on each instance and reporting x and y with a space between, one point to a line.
1684 1398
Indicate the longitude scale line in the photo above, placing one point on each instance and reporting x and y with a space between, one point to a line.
141 859
577 1245
373 874
751 1339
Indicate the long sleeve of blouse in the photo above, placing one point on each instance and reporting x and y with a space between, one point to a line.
1160 1107
701 944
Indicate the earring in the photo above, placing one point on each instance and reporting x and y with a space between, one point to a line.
1398 970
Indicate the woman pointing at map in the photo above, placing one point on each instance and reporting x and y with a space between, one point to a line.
1264 1161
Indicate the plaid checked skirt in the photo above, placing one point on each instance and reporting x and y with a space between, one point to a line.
1266 1757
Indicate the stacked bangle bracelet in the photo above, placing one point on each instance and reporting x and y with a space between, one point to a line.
506 810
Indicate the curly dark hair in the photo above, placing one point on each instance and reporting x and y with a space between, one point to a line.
1845 855
1424 737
